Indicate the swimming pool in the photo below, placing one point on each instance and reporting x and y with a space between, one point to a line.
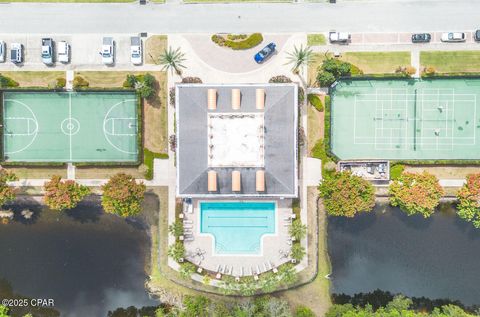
237 227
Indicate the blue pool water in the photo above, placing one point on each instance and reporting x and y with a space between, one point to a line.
237 226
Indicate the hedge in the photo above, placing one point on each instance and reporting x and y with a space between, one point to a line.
315 101
7 82
396 170
251 41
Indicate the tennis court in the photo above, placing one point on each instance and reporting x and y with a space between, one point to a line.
406 119
70 126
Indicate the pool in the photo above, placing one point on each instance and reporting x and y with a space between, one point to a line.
237 227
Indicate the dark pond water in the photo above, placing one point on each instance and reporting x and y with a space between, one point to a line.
437 257
89 262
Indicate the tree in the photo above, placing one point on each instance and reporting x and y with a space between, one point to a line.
468 207
3 311
122 195
325 79
61 195
298 230
176 229
345 194
416 193
336 67
297 252
195 306
7 193
176 251
299 58
172 60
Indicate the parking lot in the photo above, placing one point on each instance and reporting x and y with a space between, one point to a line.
84 50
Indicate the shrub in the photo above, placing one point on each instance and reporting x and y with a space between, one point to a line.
325 79
130 81
315 101
468 207
187 269
345 194
173 142
61 82
79 82
336 67
191 80
122 195
234 37
355 71
280 79
176 251
172 96
330 166
416 193
176 229
303 311
7 82
251 41
61 195
396 171
430 71
410 70
7 193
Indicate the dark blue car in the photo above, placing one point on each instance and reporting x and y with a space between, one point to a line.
265 53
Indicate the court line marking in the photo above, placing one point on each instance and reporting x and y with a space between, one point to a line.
34 117
104 128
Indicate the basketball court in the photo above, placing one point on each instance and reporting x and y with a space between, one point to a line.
70 126
406 119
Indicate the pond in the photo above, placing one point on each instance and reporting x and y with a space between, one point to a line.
437 257
89 262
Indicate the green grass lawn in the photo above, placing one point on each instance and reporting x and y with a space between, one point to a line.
232 1
377 62
316 39
451 61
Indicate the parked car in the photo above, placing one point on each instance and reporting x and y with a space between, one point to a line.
453 37
16 53
47 51
63 51
476 35
421 38
3 48
265 53
108 51
136 50
339 37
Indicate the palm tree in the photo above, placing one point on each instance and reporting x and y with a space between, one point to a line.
299 57
172 60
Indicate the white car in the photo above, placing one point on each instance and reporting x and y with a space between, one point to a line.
136 50
3 49
16 53
339 37
108 51
63 51
453 37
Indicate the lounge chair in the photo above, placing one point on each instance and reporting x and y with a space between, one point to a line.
187 226
189 222
188 239
258 270
190 208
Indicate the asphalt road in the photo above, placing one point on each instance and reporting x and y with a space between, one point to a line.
348 15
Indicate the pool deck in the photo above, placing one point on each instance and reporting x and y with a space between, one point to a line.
244 264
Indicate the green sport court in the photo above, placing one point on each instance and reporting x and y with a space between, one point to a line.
70 126
403 119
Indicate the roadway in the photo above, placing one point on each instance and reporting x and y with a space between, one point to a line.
352 16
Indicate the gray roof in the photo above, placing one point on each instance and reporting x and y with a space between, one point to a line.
280 143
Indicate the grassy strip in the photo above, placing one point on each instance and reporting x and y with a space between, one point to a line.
235 1
155 45
148 157
44 79
451 61
377 62
316 39
70 1
252 40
